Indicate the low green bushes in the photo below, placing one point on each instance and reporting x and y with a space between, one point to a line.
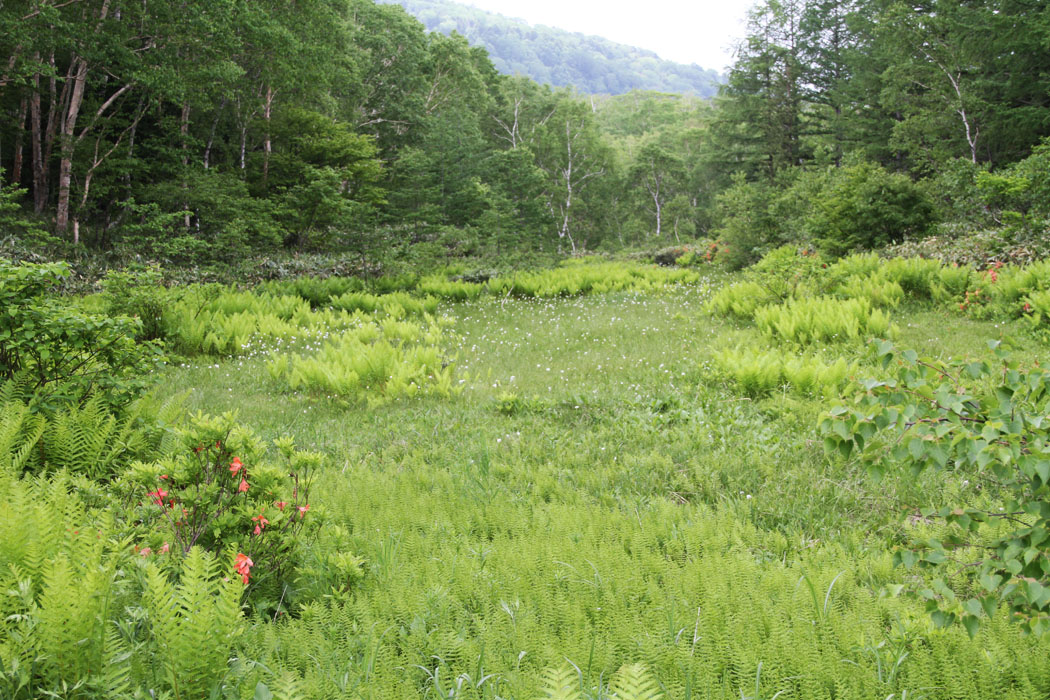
741 300
589 278
758 372
377 361
822 320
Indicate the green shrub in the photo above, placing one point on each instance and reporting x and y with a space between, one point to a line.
863 206
138 294
219 492
750 224
66 355
988 418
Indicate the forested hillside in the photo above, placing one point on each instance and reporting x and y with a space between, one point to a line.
591 64
231 130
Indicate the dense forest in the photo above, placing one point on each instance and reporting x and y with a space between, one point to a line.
591 64
232 128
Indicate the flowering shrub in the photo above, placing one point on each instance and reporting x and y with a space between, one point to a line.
219 493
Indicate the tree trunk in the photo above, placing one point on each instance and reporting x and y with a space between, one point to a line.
66 148
184 130
211 134
36 151
16 165
267 145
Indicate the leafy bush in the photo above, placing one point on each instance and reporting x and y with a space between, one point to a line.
66 355
138 294
863 206
750 224
813 320
990 420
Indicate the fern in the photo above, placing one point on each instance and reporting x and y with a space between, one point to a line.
113 681
561 684
634 682
193 624
20 431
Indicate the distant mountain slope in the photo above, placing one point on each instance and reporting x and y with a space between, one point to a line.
548 55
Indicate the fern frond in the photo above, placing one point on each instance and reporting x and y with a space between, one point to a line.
114 680
561 684
634 682
288 686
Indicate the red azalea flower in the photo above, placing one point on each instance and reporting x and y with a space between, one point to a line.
235 465
163 476
244 486
280 505
164 548
303 509
261 523
242 565
158 496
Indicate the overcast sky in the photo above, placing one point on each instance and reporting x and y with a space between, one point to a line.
686 31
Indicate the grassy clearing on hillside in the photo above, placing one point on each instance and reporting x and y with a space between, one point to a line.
597 496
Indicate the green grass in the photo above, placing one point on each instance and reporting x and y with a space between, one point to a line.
594 495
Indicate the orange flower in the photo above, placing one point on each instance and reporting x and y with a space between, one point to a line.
235 465
242 565
244 486
261 523
280 505
303 509
158 496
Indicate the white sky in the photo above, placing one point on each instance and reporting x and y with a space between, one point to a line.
702 31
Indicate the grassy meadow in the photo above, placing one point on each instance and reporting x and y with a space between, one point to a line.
601 481
595 496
